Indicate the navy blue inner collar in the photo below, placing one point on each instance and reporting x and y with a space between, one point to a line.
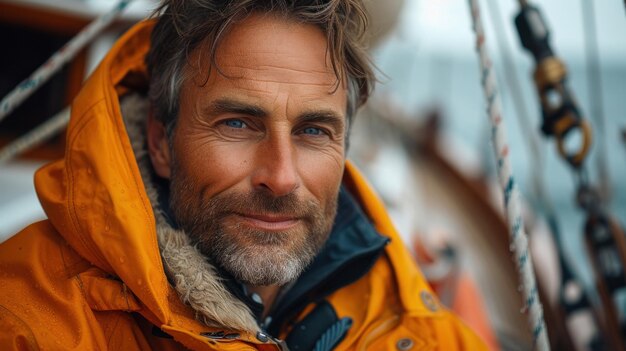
349 253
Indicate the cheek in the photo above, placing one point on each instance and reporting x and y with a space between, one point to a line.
322 172
215 167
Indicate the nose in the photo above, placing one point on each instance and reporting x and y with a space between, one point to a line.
276 168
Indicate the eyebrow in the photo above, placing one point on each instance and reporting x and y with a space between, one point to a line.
328 117
222 106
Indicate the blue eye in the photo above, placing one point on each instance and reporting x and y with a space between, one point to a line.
312 131
235 123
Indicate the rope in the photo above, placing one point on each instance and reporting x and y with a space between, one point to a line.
35 136
57 60
521 112
595 94
512 203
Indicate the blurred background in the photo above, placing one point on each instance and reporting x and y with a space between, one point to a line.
423 140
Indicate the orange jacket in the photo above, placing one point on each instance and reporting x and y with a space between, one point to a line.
90 277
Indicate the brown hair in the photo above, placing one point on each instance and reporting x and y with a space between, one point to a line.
184 24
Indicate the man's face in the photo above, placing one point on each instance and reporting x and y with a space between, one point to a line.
258 151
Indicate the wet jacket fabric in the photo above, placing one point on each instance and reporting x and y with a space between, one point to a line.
106 271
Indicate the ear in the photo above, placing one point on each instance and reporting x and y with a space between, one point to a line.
158 147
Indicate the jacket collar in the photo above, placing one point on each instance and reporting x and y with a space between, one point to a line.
349 253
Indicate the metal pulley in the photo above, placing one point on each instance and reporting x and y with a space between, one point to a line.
561 116
560 113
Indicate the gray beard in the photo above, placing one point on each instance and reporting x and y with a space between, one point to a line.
259 265
251 256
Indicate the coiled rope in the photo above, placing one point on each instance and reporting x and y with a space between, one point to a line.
57 60
512 203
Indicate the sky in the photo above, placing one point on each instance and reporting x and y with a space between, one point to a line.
444 25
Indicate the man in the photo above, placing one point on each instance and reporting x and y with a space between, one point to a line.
205 201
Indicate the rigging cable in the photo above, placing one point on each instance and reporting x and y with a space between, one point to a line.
512 203
595 95
57 60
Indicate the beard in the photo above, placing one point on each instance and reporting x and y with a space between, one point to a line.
251 255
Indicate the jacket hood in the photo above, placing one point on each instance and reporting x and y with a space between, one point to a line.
101 198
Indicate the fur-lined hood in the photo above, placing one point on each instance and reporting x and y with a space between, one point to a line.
194 278
102 199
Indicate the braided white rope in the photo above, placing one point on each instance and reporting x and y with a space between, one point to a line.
512 203
36 136
57 60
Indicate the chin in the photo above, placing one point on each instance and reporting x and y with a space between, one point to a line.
263 265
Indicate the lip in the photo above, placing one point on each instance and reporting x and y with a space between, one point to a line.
269 222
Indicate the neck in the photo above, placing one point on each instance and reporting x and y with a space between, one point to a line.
267 293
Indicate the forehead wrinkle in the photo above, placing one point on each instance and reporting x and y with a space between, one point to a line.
315 100
269 86
252 60
297 83
307 71
275 74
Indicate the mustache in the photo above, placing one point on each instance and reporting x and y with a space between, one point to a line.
261 203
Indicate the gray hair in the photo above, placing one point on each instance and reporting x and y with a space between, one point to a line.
183 25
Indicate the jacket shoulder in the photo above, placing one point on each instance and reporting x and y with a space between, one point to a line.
383 321
41 305
37 252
